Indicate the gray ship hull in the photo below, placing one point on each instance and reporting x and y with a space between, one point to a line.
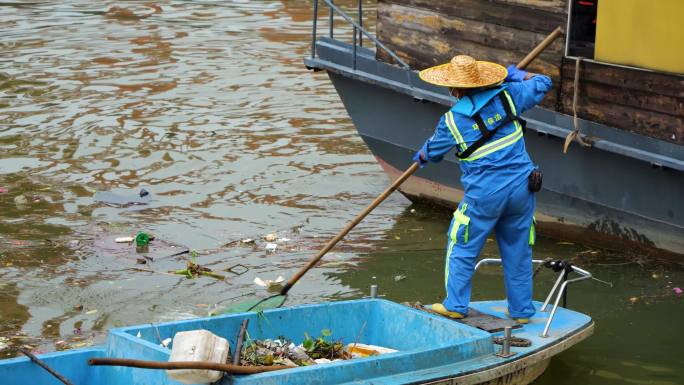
625 191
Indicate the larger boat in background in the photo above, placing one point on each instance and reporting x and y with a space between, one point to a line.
623 190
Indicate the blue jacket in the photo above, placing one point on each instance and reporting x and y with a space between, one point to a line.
503 160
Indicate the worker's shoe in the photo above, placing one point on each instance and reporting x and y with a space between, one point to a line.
521 321
440 309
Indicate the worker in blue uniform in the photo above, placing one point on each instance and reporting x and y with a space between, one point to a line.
498 176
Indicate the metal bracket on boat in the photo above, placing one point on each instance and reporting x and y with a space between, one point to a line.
562 277
505 351
561 283
497 261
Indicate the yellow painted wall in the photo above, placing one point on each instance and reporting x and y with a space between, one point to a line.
641 33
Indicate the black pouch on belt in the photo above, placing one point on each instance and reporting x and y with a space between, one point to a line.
534 181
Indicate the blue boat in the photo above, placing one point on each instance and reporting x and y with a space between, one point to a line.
431 349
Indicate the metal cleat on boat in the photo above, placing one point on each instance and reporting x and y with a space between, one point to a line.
560 286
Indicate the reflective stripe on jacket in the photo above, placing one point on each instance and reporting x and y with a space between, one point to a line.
492 122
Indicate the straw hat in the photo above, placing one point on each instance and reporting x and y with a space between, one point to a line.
464 72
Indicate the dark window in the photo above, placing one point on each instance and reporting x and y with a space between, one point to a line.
582 28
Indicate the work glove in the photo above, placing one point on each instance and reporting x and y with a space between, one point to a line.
419 157
515 74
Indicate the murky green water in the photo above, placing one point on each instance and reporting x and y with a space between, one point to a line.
207 105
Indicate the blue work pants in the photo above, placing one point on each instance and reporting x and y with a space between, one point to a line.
509 212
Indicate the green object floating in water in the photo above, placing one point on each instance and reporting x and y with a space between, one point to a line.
254 305
142 239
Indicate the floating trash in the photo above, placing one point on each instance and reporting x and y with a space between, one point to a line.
82 344
194 270
271 247
238 269
118 245
142 239
141 198
270 284
241 242
21 202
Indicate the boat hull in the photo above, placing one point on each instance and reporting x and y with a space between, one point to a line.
601 195
522 376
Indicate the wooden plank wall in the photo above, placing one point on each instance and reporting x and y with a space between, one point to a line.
430 32
645 102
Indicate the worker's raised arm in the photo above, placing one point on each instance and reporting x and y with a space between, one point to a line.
437 145
527 89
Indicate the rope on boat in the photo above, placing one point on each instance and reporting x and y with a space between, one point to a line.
539 267
515 341
575 134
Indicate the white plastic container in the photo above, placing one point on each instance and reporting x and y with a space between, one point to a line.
198 345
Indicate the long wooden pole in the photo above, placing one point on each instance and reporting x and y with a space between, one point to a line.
539 48
43 365
527 60
233 369
331 243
